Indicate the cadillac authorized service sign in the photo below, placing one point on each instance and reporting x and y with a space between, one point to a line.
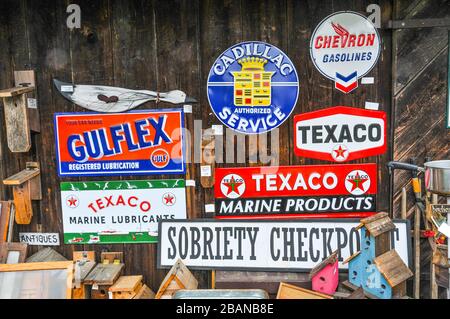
253 87
344 47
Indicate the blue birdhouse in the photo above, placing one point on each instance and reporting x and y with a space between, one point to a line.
365 268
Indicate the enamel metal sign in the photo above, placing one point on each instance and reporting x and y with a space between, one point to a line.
290 245
340 134
135 143
253 87
119 211
343 190
344 47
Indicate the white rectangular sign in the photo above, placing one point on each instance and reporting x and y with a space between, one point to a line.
39 239
294 245
109 212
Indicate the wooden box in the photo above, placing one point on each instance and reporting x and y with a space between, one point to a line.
126 287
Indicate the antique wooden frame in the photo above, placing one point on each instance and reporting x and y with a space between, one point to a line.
6 248
52 265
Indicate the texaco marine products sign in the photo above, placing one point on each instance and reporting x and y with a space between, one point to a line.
265 245
139 142
343 190
119 211
344 47
340 134
253 87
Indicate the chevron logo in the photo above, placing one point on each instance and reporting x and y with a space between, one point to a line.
347 83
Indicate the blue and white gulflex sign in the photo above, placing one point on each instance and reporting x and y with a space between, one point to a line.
253 87
344 47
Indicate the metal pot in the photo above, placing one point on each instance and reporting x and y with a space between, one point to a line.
437 174
437 177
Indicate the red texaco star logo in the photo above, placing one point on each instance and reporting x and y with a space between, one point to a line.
357 182
72 201
232 186
169 199
339 153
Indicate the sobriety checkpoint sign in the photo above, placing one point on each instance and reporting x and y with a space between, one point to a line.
134 143
344 47
269 245
253 87
340 134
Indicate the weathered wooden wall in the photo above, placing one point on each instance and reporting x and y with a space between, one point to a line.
420 67
163 45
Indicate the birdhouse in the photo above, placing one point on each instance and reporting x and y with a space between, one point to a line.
21 112
364 270
325 276
179 277
26 187
126 287
102 277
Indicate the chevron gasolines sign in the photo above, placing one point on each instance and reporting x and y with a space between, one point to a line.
344 47
340 134
342 190
253 87
119 211
134 143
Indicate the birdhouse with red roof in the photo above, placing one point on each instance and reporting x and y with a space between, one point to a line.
325 276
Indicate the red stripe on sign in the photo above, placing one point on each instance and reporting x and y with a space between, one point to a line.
346 89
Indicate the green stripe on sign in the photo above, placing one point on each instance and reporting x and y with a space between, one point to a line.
122 185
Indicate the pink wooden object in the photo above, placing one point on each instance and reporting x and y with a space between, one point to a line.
327 279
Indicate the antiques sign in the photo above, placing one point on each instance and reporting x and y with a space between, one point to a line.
119 211
139 142
343 190
340 134
265 245
344 47
253 87
39 239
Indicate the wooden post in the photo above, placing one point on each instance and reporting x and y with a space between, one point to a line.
403 207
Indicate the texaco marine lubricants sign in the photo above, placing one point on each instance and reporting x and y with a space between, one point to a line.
133 143
344 47
119 211
293 245
253 87
343 190
340 134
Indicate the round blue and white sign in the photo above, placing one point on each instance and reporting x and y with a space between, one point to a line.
253 87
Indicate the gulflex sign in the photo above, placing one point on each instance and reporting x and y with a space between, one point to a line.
119 211
253 87
139 142
344 47
343 190
340 134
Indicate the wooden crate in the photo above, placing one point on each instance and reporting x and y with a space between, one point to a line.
287 291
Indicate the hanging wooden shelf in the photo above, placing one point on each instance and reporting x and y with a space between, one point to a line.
26 187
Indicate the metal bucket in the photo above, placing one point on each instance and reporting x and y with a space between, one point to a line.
437 177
